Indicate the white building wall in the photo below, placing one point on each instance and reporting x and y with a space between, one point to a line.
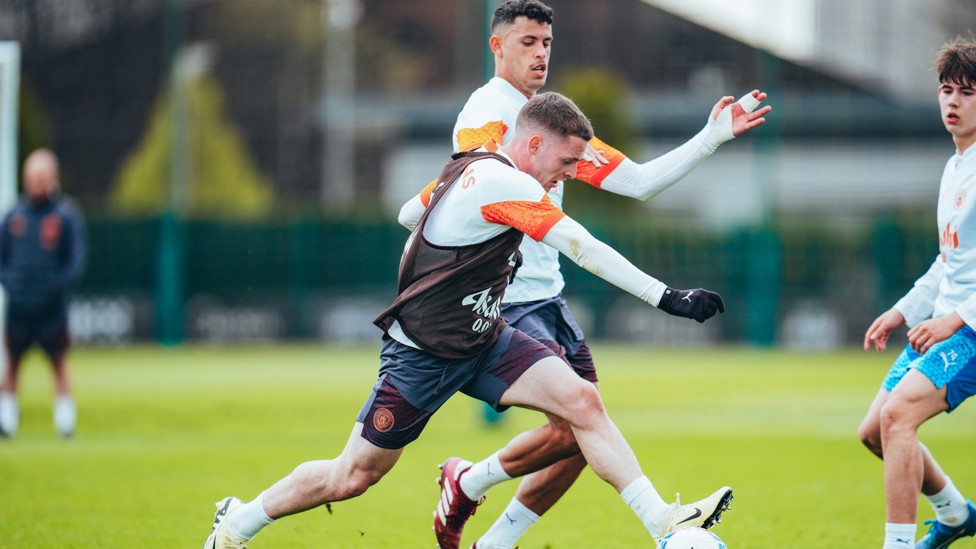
885 43
888 42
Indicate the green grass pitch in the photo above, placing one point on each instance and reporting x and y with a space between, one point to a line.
165 432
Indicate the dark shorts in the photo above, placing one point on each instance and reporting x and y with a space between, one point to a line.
47 327
551 322
950 363
413 384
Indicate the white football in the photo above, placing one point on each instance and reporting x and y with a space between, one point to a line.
692 538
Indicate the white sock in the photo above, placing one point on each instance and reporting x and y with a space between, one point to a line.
899 536
653 511
65 415
476 481
509 527
950 506
9 413
248 519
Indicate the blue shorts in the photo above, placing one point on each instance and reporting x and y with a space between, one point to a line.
551 322
950 363
48 327
414 384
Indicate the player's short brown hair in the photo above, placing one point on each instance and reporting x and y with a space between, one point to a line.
557 114
956 62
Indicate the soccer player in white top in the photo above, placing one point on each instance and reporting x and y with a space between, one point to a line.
936 371
521 41
454 269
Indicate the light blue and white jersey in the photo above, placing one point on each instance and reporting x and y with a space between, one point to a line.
950 283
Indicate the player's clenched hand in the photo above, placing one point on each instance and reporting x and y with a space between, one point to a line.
881 328
699 303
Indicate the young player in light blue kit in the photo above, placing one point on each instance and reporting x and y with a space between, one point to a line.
937 370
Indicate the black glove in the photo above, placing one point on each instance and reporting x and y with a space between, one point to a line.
699 304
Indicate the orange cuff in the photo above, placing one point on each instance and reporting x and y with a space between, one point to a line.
427 191
470 139
588 173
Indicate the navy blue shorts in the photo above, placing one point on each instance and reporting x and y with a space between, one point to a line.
47 327
950 363
414 384
551 322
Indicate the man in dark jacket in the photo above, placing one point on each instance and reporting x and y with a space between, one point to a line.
42 250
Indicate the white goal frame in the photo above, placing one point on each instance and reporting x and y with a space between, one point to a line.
9 99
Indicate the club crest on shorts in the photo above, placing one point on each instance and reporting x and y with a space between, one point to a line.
383 420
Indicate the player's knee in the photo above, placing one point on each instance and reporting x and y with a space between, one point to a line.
870 436
586 404
358 482
355 483
895 419
337 484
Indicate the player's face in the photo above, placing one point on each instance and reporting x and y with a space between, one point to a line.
556 160
522 54
40 177
958 105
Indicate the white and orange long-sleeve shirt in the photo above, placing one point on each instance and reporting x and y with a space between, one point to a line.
950 283
491 197
489 116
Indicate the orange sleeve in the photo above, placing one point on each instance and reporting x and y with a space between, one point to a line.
532 218
426 191
588 173
470 139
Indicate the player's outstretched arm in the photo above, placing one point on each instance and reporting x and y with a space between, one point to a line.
575 242
727 119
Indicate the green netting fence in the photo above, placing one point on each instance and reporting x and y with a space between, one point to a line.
765 274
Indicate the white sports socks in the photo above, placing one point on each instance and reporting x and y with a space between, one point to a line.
249 519
509 527
950 506
65 415
653 511
476 481
9 414
899 536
